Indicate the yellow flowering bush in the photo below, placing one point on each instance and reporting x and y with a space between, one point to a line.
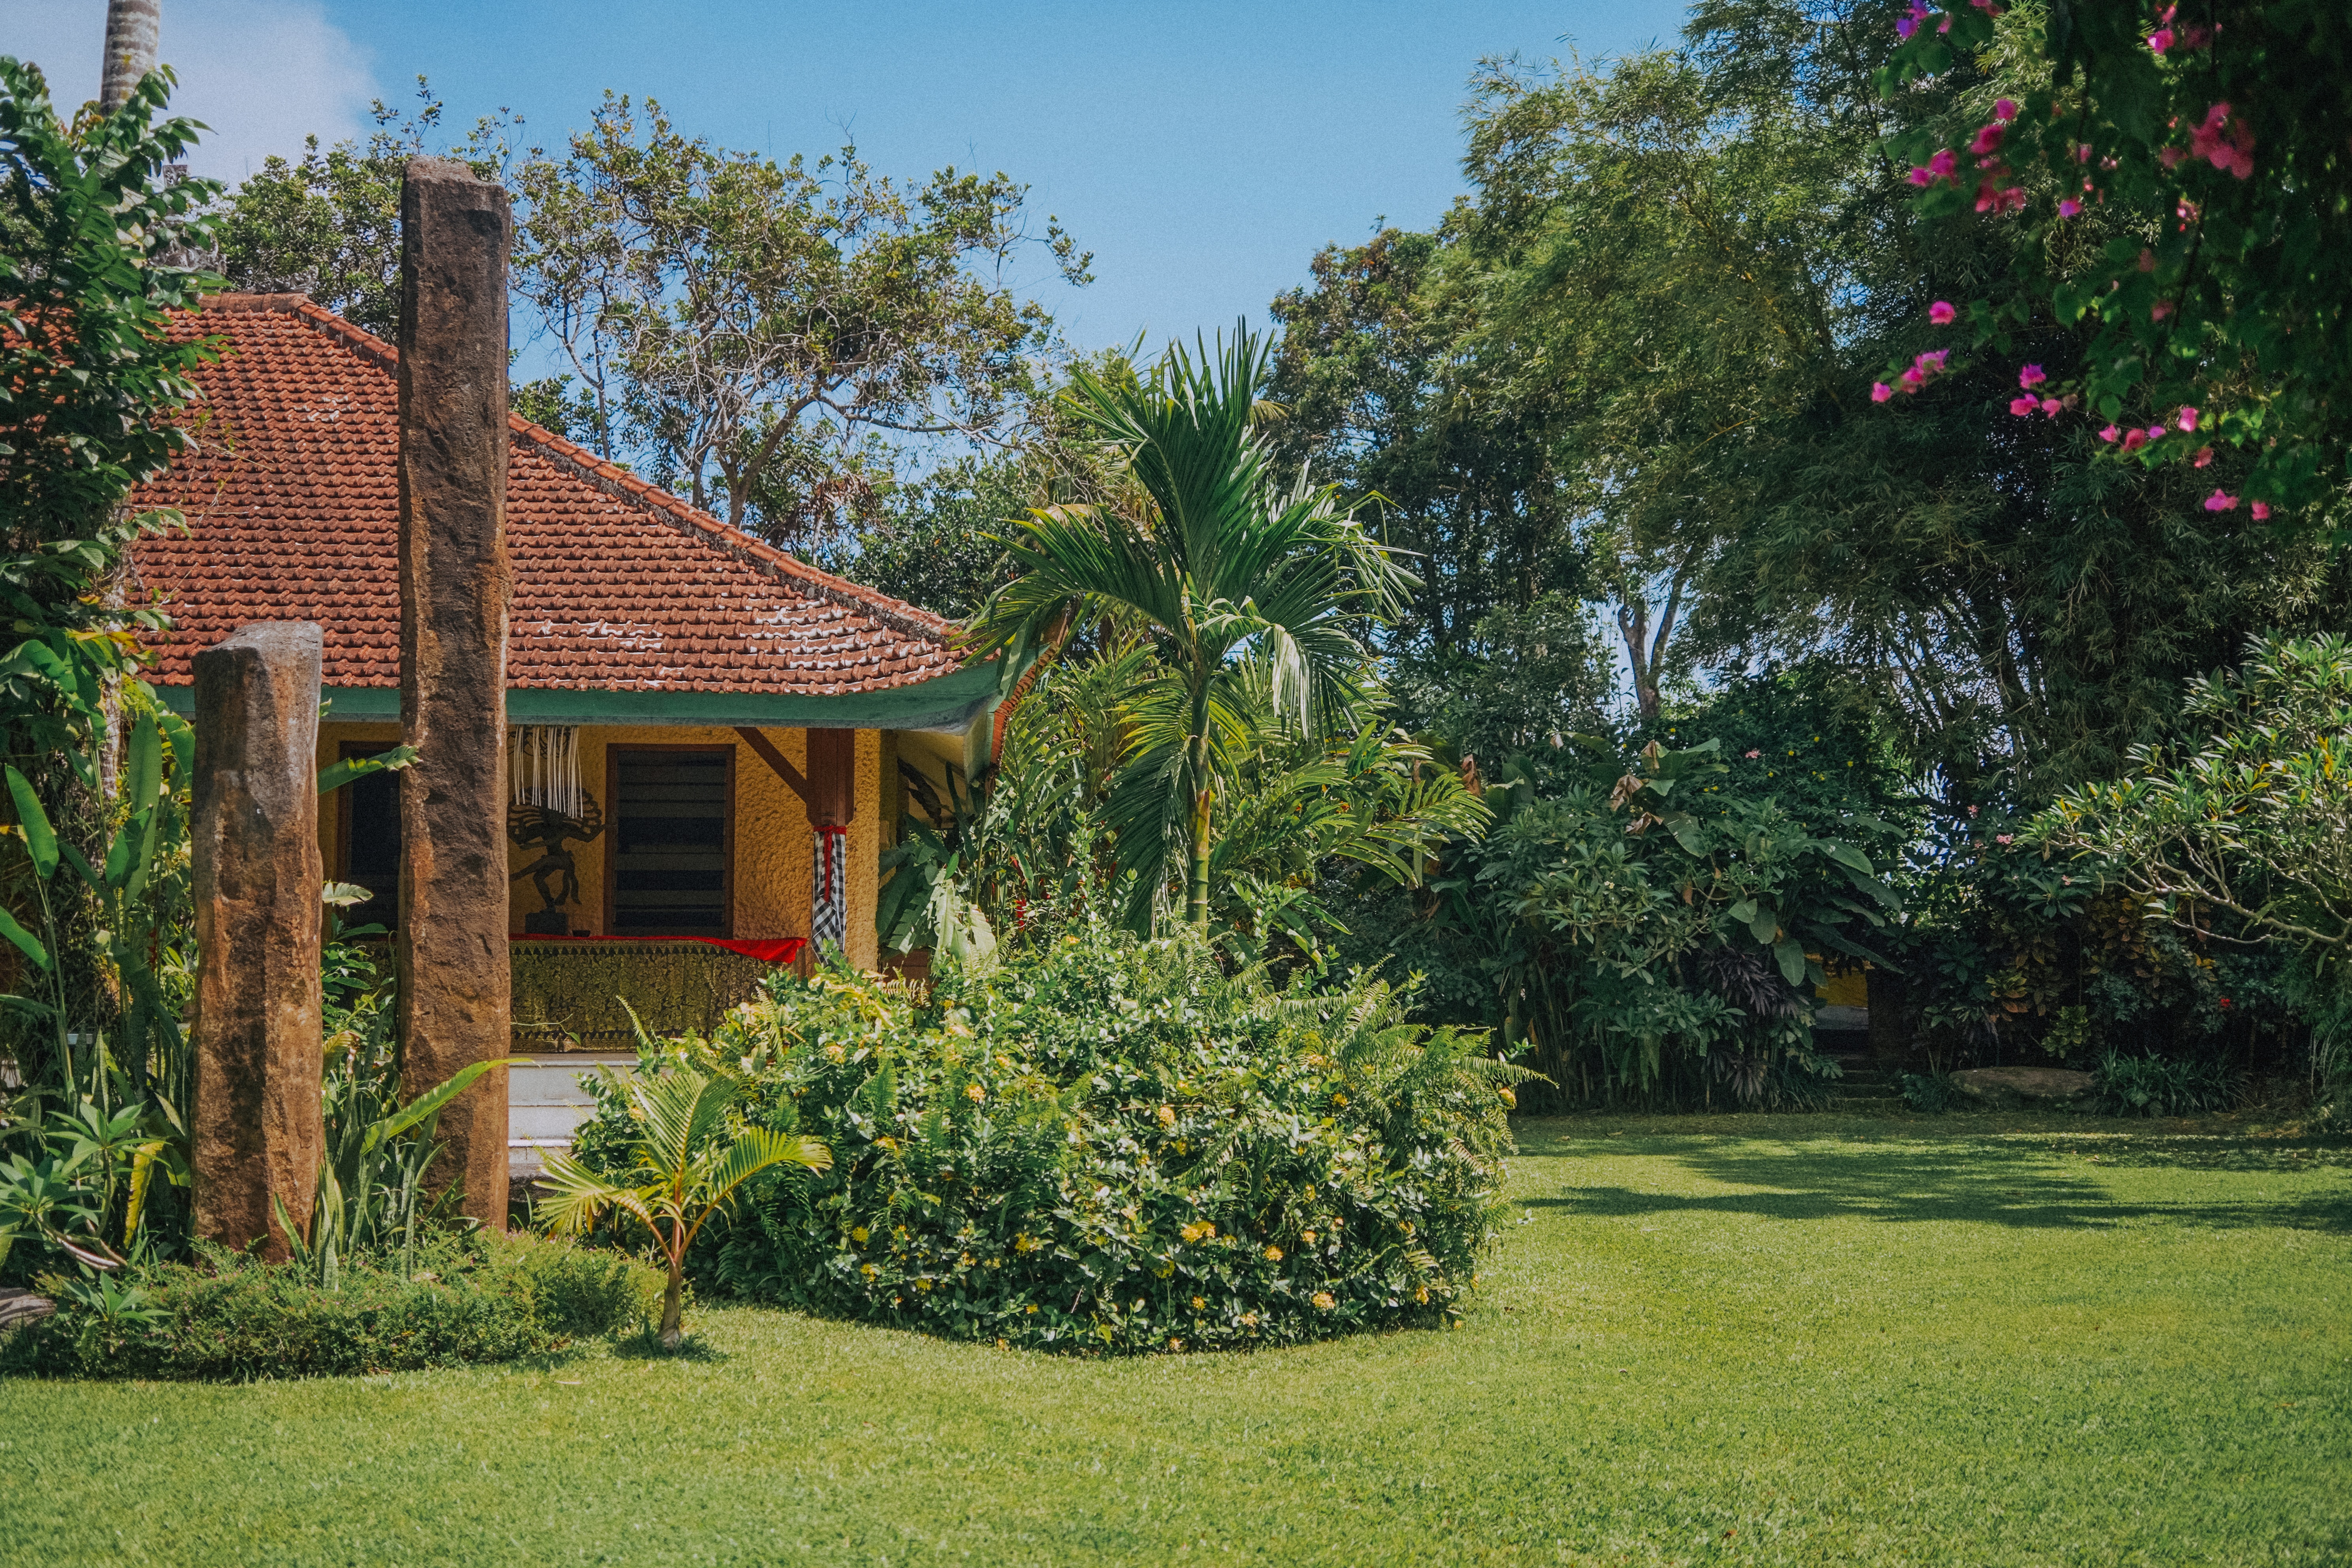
1113 1145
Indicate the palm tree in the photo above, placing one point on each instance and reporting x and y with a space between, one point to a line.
1216 565
690 1170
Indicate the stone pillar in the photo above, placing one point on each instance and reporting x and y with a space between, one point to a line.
257 877
454 587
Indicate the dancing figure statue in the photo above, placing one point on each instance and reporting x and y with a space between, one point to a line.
554 873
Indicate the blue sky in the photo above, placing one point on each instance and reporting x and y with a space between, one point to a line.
1203 152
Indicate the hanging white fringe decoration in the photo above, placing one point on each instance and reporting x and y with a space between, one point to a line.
543 767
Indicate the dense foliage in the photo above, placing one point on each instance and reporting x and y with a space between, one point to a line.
473 1298
2177 175
1104 1144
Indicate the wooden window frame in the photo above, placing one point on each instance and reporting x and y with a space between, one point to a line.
613 751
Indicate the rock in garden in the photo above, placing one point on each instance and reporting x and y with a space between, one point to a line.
2022 1085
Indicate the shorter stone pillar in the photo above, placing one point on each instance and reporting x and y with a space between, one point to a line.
257 875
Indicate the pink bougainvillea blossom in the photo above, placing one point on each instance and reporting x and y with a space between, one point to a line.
2186 418
1932 362
2135 439
2159 311
1910 380
2051 407
2069 207
2261 512
2160 40
2023 404
2204 455
1906 25
2224 142
2031 375
2005 110
2109 434
2004 838
1880 391
2221 501
1946 163
1988 138
1941 312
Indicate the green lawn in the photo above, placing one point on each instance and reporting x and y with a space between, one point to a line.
1740 1340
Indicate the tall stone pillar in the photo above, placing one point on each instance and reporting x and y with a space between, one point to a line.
257 877
454 587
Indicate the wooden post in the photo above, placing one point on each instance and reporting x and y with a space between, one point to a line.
831 801
257 875
455 589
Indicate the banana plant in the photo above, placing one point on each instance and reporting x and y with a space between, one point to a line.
688 1164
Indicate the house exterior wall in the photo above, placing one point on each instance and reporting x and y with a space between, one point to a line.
772 854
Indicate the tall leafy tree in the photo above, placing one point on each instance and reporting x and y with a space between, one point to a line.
1222 569
745 323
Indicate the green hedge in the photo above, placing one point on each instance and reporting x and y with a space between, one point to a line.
1104 1144
476 1298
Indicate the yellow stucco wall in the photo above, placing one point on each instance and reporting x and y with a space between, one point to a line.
772 855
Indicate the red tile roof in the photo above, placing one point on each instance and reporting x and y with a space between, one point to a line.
292 500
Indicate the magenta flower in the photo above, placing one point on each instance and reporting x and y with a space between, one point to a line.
1932 362
2187 418
1944 164
2069 207
2222 141
1988 138
2135 439
2261 512
2109 434
1920 175
2204 455
2023 404
1941 312
2160 40
1911 380
2006 109
1880 391
2220 501
2156 432
2051 407
2031 375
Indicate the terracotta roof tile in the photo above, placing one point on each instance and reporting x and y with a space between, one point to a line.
292 502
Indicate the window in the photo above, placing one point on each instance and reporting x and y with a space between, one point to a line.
668 855
371 831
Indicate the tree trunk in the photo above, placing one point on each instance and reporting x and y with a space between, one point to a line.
1196 870
133 31
672 1323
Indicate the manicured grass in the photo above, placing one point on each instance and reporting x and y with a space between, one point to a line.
1741 1340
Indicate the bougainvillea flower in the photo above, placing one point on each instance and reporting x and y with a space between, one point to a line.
2261 512
2160 40
1941 312
2051 407
2159 311
2224 142
1910 380
2005 110
2187 418
1920 175
2023 404
1932 362
2204 455
2135 439
2221 501
1944 164
2032 375
2109 434
2069 207
1988 138
1880 391
2156 432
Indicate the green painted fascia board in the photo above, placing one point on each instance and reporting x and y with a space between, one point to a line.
949 703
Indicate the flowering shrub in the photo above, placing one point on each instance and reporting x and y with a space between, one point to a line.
1106 1144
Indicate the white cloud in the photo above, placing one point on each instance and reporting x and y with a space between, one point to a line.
262 73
